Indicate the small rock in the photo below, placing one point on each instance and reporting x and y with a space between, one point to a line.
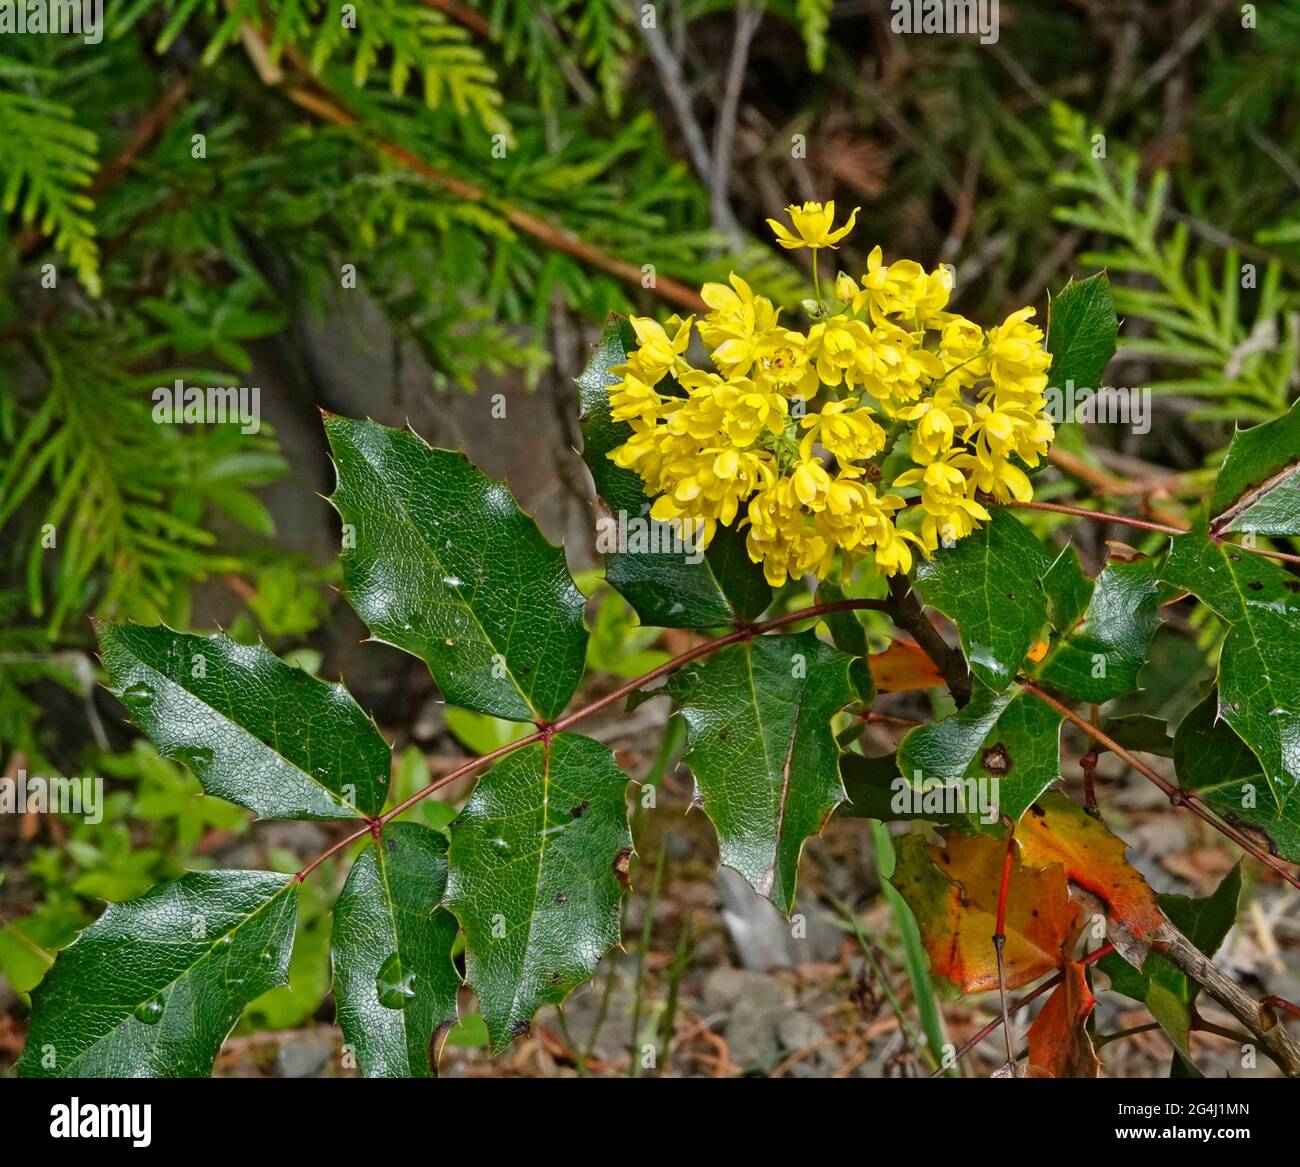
724 986
799 1031
758 1004
304 1057
759 932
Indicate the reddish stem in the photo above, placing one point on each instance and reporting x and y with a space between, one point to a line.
547 730
1147 525
1176 794
968 1045
1000 939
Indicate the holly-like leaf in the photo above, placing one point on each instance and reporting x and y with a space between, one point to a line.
253 729
1100 648
154 986
1058 1040
666 588
762 752
539 860
876 790
994 757
394 982
988 585
1081 332
1213 761
953 893
439 560
1057 830
1259 663
1160 984
1258 489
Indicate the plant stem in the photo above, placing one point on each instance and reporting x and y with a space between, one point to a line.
546 731
1147 525
1176 794
968 1045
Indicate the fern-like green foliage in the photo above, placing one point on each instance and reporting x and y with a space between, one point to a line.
1236 367
46 162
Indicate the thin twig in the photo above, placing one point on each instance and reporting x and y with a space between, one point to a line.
310 94
1176 794
546 731
748 17
1033 995
1215 536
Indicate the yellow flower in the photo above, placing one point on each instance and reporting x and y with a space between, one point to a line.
1007 428
1003 480
1017 360
811 482
737 448
937 421
632 399
948 511
888 289
836 346
848 433
736 323
961 339
780 538
783 362
659 353
812 225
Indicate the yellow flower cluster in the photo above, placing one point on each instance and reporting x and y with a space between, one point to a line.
792 429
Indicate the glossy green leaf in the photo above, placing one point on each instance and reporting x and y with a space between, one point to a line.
1081 332
988 585
1160 984
1259 663
1213 761
991 759
849 636
664 587
761 749
253 729
1099 650
1258 489
1140 731
153 987
539 860
876 790
439 560
394 982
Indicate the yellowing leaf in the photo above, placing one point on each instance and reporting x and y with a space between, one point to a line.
953 892
1059 1045
1056 830
903 666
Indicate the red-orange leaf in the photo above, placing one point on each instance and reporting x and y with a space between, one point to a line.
903 666
1059 1044
1056 830
953 892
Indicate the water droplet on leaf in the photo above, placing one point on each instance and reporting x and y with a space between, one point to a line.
137 696
150 1011
394 986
